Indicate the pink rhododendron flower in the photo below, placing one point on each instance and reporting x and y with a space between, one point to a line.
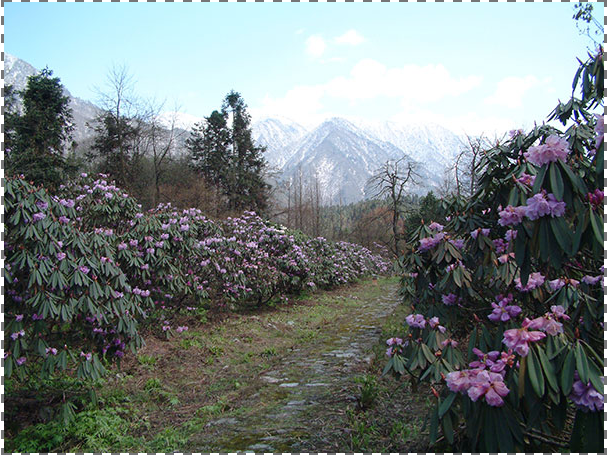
450 299
518 339
543 204
512 216
457 243
436 226
599 130
483 360
505 258
502 311
449 342
546 324
596 198
553 149
491 386
536 279
526 179
428 243
591 280
585 396
500 246
416 321
559 312
460 381
38 216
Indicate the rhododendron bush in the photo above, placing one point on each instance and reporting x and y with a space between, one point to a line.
85 268
506 290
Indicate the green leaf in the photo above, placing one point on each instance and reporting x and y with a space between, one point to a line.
388 366
595 377
434 426
548 369
504 435
539 179
535 373
567 373
556 182
597 226
562 234
446 404
428 354
448 428
581 363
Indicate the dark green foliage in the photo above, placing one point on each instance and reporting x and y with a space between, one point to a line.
227 157
209 149
36 138
116 147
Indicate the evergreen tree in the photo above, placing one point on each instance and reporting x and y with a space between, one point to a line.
114 146
248 164
209 146
37 137
222 150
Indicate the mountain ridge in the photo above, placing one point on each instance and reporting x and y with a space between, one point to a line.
341 153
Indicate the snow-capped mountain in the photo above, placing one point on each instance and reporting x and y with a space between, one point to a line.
343 158
280 137
16 73
431 144
341 154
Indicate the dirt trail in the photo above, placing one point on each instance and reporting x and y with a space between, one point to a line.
301 402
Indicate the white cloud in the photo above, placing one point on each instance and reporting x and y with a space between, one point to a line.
351 37
315 46
511 91
410 86
301 103
369 79
471 123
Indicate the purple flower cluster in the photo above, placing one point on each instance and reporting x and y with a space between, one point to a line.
478 383
483 231
553 149
395 346
511 216
585 396
503 311
450 299
536 279
434 226
591 280
599 129
543 204
416 321
526 179
518 339
428 243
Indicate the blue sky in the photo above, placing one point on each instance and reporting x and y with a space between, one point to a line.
471 67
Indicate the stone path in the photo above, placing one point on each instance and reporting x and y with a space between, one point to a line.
299 401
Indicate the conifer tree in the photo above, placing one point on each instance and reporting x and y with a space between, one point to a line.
38 136
222 150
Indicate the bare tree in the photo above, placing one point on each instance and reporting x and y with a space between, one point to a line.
466 168
162 137
390 182
119 142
